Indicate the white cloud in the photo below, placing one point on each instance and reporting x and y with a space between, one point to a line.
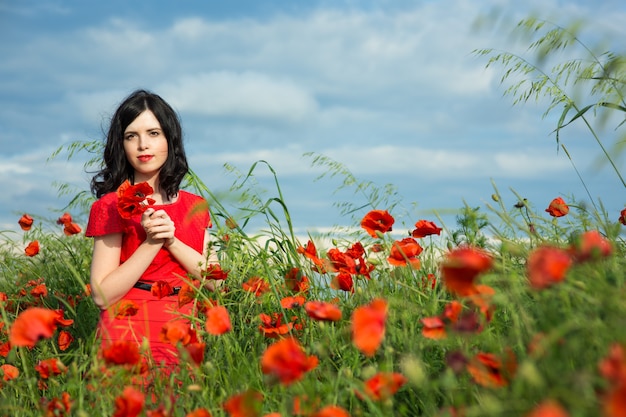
245 95
123 40
96 107
399 161
13 168
444 163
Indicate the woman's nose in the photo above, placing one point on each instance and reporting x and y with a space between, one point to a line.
142 142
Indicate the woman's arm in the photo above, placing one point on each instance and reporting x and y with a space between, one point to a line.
110 280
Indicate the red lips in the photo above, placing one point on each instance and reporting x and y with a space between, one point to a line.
145 158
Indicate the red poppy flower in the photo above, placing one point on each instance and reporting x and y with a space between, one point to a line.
557 208
613 366
272 326
468 322
368 326
310 251
376 248
32 249
71 229
124 308
200 412
187 292
50 367
256 285
218 321
215 272
405 251
482 299
331 411
64 340
488 370
614 401
65 219
342 281
175 331
5 348
9 372
433 328
35 323
25 222
485 370
121 352
622 217
287 361
245 404
547 266
452 310
59 406
460 268
591 245
196 351
548 408
364 268
292 301
161 289
130 403
320 310
296 281
377 221
40 290
341 262
383 385
425 228
132 200
356 250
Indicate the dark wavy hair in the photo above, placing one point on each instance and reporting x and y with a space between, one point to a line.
116 168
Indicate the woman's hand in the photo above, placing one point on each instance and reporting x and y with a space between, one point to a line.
158 226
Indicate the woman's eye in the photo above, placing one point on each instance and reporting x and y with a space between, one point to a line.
155 133
129 137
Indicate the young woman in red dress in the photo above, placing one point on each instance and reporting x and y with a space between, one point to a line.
167 242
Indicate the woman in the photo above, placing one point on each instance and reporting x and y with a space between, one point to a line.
168 242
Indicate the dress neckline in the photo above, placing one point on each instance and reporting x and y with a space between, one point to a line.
169 204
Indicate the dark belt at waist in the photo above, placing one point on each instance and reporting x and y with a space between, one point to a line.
148 287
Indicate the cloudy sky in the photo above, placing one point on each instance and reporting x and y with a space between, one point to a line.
389 89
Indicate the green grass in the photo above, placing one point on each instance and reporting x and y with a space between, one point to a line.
579 319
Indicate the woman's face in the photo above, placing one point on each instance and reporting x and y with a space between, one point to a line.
145 146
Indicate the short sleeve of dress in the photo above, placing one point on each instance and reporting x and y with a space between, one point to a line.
104 218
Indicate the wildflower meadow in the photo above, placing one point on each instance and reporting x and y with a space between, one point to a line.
517 309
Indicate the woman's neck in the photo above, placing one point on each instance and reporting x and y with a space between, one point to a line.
159 195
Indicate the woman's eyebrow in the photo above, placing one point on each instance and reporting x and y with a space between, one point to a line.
150 129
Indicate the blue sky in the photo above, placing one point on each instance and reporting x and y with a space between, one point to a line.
390 89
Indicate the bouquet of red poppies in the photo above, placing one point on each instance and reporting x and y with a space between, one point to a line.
132 199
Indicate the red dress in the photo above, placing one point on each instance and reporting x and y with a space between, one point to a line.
191 224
